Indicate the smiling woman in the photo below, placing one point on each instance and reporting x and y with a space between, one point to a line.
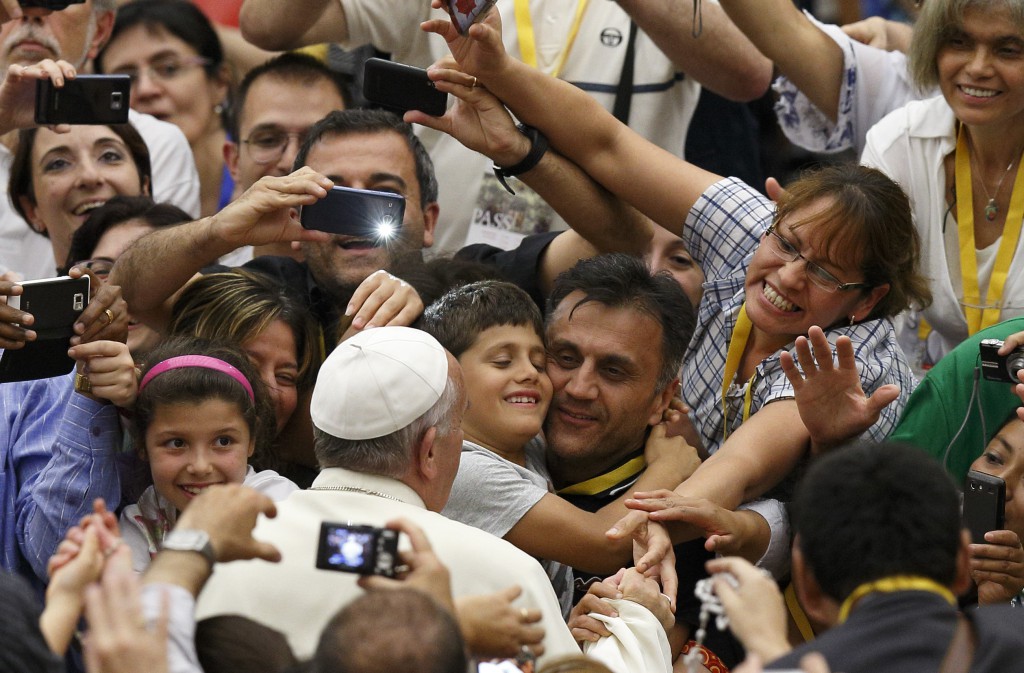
58 178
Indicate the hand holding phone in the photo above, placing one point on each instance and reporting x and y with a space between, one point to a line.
86 99
399 88
984 504
55 304
372 216
465 13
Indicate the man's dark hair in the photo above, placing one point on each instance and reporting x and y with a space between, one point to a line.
869 511
457 319
290 67
115 212
624 281
350 122
388 632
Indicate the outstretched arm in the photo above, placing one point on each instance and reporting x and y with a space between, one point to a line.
159 264
800 50
721 58
656 182
274 25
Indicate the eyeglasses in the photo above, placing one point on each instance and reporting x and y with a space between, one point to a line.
100 266
267 145
164 69
788 252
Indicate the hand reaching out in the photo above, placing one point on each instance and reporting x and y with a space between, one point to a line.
653 553
757 613
382 300
110 369
997 567
832 404
480 51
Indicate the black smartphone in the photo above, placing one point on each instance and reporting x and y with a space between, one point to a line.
984 504
86 99
364 550
465 13
399 87
55 5
359 213
55 303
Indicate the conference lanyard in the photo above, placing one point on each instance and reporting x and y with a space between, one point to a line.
737 344
978 314
888 585
527 42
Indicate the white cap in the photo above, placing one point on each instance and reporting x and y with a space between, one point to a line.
378 382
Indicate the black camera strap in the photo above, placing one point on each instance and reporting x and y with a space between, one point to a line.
624 90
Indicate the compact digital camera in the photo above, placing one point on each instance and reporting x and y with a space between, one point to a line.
996 367
364 550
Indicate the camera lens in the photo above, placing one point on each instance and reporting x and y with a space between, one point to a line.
1014 363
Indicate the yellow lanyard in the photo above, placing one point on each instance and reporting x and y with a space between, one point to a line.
888 585
527 43
796 611
737 344
979 318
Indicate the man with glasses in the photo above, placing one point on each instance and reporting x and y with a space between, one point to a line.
76 34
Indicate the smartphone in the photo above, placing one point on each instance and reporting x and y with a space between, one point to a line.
55 303
399 87
55 5
86 99
984 504
465 13
375 217
364 550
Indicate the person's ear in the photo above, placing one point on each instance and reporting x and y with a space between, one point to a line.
104 27
819 607
231 151
145 187
867 304
662 400
252 447
962 581
28 204
426 455
430 215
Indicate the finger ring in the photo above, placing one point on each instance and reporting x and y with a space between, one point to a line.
82 383
473 85
525 654
110 316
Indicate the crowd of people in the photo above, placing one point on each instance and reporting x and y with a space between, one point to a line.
588 407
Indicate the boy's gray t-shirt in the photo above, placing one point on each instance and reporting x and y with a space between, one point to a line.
493 494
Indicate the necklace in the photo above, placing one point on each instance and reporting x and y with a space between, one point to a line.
355 489
992 208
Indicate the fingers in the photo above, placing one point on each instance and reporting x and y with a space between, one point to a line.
417 538
822 348
382 300
883 397
1014 341
775 191
106 316
627 525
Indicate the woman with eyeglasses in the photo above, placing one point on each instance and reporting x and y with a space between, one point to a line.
840 253
176 62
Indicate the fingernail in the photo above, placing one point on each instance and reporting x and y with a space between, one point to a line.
349 309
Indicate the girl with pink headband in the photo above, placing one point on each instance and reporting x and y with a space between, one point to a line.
198 413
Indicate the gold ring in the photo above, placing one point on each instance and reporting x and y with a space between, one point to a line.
110 316
82 383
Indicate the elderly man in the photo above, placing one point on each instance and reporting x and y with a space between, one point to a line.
76 34
387 409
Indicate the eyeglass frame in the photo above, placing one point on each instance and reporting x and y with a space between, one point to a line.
815 273
151 72
88 264
300 137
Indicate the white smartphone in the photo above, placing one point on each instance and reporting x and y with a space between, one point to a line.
55 303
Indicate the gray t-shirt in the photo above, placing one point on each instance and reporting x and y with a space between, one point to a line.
493 494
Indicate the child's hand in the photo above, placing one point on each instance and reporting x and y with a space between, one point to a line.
110 370
997 566
660 446
481 51
382 300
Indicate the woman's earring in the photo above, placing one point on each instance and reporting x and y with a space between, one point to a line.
853 319
218 109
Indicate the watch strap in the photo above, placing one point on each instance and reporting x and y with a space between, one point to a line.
538 147
191 540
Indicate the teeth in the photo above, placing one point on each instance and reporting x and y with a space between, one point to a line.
520 400
777 300
86 207
193 490
978 93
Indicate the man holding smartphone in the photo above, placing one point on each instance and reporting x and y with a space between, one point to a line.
76 34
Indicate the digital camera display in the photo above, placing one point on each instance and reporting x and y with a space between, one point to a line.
365 550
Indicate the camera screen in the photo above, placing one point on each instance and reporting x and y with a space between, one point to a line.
348 548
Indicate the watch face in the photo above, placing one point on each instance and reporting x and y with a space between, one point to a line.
190 540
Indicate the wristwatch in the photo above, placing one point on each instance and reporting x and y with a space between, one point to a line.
190 539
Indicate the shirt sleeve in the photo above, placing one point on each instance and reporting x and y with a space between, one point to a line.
776 557
490 495
181 624
81 446
725 226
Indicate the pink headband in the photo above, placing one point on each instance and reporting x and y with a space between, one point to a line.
204 361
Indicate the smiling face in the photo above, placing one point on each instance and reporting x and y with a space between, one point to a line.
1004 457
73 173
604 365
508 388
981 67
273 353
782 301
170 81
380 161
192 446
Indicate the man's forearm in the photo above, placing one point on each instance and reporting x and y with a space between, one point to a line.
721 58
276 25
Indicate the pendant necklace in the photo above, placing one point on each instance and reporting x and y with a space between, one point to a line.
992 208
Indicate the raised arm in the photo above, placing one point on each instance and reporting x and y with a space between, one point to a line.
721 58
801 51
159 264
275 25
656 182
